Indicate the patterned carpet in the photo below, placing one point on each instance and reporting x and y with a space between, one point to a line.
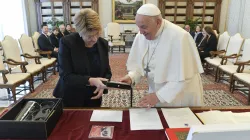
216 94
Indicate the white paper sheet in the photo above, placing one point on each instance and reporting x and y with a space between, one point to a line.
216 117
243 117
106 116
145 119
180 117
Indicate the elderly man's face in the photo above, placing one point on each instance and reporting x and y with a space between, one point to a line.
62 28
187 28
147 25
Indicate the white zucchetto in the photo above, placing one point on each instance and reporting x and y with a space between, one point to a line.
149 10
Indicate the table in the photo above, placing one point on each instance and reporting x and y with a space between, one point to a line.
75 124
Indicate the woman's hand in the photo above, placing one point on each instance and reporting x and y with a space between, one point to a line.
99 95
97 82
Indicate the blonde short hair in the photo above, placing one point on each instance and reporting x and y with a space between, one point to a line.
87 21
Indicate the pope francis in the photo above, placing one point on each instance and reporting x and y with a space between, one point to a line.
166 54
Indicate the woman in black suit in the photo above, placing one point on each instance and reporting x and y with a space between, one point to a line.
53 37
209 43
84 63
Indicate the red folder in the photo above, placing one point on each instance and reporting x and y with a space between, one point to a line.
177 133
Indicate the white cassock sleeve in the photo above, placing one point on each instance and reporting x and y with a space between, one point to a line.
170 90
134 62
135 77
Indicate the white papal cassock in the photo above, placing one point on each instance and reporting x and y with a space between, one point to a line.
175 66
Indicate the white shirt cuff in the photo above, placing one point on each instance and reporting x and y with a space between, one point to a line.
160 98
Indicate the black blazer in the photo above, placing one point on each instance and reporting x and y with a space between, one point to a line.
74 68
192 34
211 45
198 38
54 40
44 43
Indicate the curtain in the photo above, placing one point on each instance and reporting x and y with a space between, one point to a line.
238 20
12 21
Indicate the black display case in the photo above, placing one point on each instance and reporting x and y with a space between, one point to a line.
10 128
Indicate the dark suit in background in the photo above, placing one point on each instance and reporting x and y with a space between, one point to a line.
77 64
45 45
198 38
210 45
60 34
54 40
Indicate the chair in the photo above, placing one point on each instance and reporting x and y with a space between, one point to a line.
116 40
235 41
13 58
221 46
243 78
231 54
29 54
13 80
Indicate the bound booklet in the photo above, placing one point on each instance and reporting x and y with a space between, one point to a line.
177 133
101 132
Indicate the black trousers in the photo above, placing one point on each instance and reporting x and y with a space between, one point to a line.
203 55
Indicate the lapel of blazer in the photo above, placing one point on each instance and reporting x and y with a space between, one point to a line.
102 57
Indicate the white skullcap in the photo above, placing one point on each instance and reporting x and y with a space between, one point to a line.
149 10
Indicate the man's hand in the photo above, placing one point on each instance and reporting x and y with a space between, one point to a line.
149 100
126 79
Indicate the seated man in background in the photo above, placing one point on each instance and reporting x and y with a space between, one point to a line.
53 37
197 35
62 31
45 44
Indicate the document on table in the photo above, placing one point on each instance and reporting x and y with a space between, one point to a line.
223 117
243 117
145 119
106 116
180 117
